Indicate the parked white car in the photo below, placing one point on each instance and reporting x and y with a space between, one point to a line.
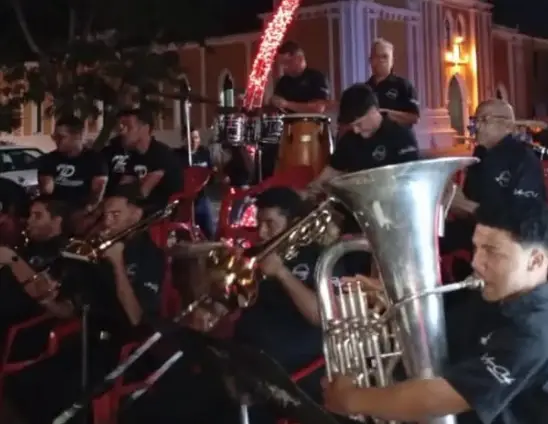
18 163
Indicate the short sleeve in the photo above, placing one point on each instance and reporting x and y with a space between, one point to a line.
411 100
492 379
321 87
46 166
407 145
148 281
342 156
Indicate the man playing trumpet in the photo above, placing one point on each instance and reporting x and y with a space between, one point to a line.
498 342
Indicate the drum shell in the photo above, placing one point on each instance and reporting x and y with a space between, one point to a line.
306 140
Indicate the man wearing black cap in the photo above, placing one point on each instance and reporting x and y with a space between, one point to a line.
373 140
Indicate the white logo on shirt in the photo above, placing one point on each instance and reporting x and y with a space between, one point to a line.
202 164
140 170
529 194
152 286
301 271
379 153
119 163
504 178
65 172
485 339
407 150
392 94
501 374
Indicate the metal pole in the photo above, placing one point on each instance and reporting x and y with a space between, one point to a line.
187 123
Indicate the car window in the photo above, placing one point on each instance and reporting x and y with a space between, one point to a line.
18 159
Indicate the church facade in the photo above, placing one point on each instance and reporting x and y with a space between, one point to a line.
449 49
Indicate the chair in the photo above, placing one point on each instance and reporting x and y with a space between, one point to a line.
195 179
297 178
57 334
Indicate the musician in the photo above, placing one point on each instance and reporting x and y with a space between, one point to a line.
499 342
152 163
397 96
203 210
508 172
72 173
14 203
375 140
20 299
300 90
135 267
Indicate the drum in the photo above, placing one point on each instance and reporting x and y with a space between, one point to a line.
230 129
235 128
306 140
272 126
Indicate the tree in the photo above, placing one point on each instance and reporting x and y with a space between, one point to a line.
100 70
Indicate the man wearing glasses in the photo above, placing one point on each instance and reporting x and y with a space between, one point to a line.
509 172
508 169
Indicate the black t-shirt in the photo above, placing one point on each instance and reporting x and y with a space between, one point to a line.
509 171
116 157
395 93
499 358
13 198
145 268
275 325
389 145
309 86
72 175
158 157
236 168
200 157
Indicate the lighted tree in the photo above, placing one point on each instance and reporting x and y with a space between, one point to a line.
99 70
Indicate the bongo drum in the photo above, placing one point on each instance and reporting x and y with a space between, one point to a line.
306 140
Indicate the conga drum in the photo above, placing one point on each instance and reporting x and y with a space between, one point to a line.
306 140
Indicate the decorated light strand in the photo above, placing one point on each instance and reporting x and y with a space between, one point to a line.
271 40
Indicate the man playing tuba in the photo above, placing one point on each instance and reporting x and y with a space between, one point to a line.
498 342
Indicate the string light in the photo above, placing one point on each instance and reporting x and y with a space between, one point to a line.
271 40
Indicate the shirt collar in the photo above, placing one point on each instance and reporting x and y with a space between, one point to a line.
525 303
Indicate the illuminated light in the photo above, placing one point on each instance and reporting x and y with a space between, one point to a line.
455 56
271 40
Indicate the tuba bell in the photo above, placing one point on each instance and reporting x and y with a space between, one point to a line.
397 208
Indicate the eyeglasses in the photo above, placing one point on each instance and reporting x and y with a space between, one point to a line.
486 118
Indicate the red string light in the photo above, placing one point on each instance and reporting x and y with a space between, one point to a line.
271 40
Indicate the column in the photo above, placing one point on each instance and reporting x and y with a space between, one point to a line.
511 73
354 36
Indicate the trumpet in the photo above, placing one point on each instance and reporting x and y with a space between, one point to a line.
91 250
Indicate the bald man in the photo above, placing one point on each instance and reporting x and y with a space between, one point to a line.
508 170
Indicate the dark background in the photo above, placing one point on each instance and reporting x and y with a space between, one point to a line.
48 19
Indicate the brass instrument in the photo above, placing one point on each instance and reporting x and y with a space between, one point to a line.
397 208
92 249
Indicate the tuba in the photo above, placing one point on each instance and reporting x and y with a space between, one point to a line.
397 208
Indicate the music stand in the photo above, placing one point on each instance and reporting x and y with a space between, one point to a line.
265 382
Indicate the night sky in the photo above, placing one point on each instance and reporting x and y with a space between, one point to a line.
48 19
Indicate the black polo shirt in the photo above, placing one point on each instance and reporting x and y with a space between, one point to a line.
507 172
389 145
309 86
499 359
396 93
275 325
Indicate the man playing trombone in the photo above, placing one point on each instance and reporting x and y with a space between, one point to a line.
498 342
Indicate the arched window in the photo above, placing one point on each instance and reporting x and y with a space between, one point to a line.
448 32
226 89
460 29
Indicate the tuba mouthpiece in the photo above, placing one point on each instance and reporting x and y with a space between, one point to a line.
474 283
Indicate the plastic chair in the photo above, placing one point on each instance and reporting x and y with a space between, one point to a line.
297 178
195 179
57 334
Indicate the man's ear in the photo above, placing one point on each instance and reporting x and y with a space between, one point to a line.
537 258
136 213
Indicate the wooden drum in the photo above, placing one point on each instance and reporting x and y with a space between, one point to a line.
306 140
